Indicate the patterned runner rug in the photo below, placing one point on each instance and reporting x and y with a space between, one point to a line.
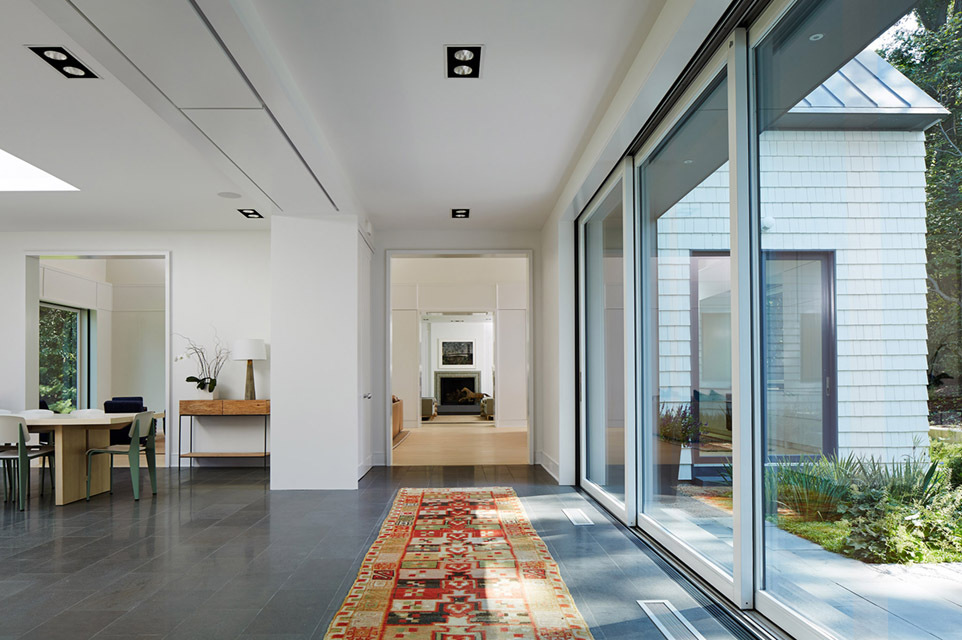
458 564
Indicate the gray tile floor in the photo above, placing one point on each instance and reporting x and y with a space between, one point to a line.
217 555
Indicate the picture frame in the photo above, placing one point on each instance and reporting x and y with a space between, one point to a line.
455 354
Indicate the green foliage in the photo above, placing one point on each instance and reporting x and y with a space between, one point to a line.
58 351
931 57
950 457
884 529
829 534
678 424
813 487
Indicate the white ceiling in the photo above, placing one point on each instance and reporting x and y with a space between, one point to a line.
132 172
358 86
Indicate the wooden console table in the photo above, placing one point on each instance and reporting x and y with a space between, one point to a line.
206 408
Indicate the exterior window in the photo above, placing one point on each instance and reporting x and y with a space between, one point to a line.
60 357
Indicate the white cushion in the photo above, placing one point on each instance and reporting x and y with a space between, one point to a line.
36 413
86 413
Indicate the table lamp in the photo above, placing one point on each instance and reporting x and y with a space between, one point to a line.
249 349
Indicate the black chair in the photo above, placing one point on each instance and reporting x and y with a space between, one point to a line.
123 404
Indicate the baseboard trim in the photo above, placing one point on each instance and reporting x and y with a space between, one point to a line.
549 464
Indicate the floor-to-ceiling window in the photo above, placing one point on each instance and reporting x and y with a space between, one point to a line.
799 320
60 357
683 184
604 447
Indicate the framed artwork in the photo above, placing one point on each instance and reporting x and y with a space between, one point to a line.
456 353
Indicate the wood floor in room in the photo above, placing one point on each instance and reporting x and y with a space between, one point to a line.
462 444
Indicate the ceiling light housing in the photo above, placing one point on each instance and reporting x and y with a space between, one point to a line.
250 214
64 62
463 60
460 214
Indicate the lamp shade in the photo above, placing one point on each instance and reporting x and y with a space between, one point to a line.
248 349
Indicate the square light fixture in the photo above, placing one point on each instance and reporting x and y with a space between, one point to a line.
463 60
250 213
460 213
64 62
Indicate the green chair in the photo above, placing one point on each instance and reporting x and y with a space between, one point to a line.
16 458
143 426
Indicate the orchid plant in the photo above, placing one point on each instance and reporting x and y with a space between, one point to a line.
209 363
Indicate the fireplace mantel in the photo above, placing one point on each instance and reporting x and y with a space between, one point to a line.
464 373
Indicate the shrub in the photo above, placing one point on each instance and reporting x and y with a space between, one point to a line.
678 424
950 455
813 487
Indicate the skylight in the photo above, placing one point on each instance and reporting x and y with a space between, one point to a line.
17 175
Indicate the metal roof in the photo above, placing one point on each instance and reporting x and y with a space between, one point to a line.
866 93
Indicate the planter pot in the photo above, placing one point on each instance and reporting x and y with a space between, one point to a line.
684 462
193 393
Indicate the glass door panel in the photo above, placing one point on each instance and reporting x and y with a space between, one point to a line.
604 345
685 211
859 307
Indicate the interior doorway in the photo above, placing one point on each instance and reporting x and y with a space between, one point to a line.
460 359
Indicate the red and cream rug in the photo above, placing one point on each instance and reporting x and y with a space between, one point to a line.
458 564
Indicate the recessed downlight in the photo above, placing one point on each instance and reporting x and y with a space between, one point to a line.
460 213
64 62
229 194
250 213
456 55
815 37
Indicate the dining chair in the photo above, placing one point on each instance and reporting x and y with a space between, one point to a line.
143 426
16 457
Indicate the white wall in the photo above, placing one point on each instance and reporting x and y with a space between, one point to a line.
438 329
468 284
314 336
217 280
433 242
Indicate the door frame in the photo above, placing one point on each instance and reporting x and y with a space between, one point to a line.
389 255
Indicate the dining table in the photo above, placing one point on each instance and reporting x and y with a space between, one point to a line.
72 438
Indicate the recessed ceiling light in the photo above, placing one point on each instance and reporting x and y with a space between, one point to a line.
815 37
64 62
460 213
250 213
457 54
688 161
229 194
19 175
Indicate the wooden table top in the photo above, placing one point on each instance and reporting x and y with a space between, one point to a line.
106 420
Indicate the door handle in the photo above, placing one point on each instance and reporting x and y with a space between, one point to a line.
368 396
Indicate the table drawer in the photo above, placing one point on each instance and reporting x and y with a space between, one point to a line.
201 407
247 407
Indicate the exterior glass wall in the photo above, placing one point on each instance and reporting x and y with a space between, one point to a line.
684 188
826 162
604 318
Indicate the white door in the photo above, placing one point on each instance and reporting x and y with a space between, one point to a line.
364 338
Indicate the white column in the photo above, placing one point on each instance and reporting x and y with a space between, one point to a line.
314 353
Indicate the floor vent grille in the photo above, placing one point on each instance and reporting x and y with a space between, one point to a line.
578 517
669 620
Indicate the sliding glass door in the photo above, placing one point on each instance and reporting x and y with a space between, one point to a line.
607 411
687 431
792 345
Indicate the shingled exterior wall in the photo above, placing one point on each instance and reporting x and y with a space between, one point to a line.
861 196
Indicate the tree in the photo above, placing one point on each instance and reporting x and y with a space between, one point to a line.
58 358
931 57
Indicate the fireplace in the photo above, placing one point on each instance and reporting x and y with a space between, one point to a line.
449 391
